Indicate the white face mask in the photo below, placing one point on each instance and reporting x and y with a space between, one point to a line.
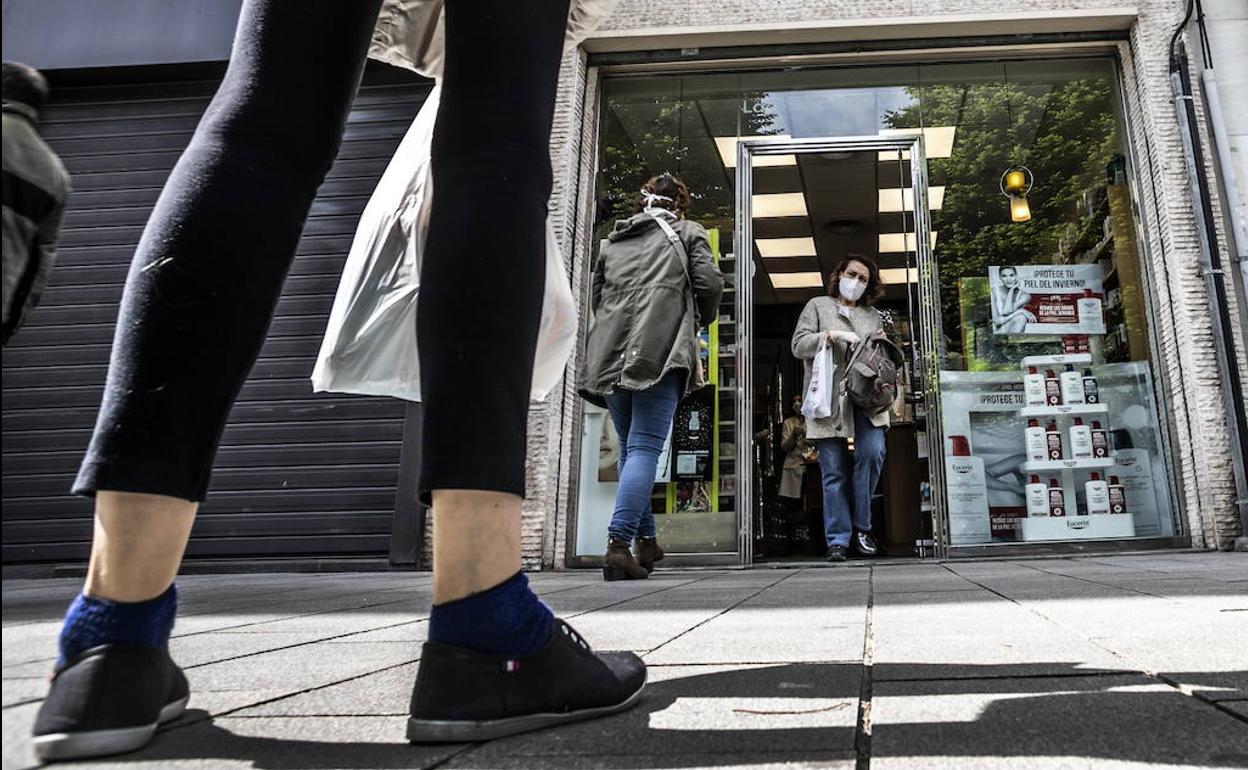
851 289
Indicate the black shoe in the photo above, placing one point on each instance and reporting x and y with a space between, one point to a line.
865 544
836 553
109 700
464 696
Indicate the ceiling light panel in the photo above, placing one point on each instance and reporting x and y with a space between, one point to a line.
779 205
898 199
797 280
895 275
900 243
727 146
937 141
786 247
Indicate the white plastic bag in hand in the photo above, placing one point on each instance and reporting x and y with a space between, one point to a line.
370 341
817 403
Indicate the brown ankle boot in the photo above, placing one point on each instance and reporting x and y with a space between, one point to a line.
619 564
648 552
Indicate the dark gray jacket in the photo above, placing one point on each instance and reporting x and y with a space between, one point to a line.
35 188
646 313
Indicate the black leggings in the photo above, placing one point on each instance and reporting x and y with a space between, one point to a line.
211 262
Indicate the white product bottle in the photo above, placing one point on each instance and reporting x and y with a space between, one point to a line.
1057 498
968 494
1133 468
1091 313
1080 441
1033 387
1096 492
1037 497
1037 450
1053 442
1072 386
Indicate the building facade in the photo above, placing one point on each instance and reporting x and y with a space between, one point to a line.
806 131
841 52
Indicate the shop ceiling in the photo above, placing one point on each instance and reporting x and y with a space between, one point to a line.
845 203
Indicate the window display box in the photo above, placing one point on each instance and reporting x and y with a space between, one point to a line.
1051 466
1094 527
1074 359
1066 409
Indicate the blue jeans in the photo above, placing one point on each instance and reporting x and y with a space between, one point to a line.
849 484
642 420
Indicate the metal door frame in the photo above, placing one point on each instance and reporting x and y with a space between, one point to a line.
928 317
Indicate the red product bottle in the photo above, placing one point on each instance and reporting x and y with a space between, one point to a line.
1052 388
1100 441
1057 499
1053 440
1117 496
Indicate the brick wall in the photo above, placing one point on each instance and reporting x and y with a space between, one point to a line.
1187 367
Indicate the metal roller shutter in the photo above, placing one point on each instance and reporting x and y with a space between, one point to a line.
297 474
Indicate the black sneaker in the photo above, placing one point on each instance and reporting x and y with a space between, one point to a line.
109 700
865 544
463 696
836 553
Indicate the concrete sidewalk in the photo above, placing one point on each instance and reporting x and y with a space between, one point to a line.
1120 661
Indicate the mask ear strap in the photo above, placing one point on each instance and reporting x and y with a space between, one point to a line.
651 198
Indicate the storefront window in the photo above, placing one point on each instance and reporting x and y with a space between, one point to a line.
1060 289
1048 401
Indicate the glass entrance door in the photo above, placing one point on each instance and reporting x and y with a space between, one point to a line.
806 208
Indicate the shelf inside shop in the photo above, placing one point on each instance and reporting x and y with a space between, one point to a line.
1090 227
1071 409
1074 359
1049 466
1094 253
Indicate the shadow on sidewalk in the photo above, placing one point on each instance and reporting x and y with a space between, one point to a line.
794 713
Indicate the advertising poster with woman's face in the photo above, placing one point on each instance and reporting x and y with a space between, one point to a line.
1047 299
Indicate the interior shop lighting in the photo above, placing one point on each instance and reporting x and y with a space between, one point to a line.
897 199
771 248
812 280
901 243
1016 183
895 275
779 205
937 141
727 146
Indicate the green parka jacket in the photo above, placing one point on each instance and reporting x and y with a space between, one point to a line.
648 307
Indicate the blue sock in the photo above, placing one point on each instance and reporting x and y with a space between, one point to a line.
91 621
508 619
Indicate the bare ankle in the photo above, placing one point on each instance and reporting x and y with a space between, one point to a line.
138 544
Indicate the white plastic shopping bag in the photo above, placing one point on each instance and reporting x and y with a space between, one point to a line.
370 341
818 401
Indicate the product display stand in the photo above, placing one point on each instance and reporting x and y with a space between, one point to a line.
1077 524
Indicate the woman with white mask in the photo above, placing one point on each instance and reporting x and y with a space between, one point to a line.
844 318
